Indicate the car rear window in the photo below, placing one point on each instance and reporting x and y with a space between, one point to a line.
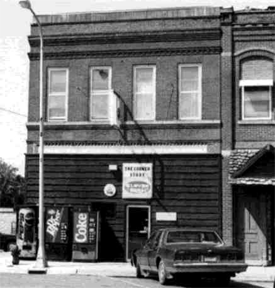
192 237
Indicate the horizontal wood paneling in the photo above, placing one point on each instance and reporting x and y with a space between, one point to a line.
188 185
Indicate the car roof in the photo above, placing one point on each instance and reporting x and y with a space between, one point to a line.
171 229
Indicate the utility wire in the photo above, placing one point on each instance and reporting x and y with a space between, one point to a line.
13 112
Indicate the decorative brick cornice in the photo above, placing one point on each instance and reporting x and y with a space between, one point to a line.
130 37
128 53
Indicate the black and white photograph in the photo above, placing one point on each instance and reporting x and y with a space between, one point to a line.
137 144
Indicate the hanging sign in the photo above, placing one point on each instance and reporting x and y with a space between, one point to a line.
137 180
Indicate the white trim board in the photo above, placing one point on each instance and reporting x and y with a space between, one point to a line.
133 149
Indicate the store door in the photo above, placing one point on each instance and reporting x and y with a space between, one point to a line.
251 227
138 228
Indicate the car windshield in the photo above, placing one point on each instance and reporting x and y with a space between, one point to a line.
192 237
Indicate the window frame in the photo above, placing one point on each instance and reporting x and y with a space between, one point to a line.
99 92
66 95
199 91
153 96
256 83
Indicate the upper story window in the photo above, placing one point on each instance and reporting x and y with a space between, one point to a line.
100 92
144 92
57 93
190 92
256 89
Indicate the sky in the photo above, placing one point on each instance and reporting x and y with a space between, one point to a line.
14 64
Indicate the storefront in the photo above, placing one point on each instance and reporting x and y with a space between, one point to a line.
134 193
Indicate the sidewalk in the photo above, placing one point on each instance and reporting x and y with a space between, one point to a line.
253 273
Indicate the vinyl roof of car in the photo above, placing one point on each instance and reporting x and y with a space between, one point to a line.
186 229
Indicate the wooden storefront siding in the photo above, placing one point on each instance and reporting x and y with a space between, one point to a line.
189 185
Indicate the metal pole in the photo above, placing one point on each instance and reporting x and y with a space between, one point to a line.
41 261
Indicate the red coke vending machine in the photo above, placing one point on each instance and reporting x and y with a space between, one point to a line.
85 235
57 238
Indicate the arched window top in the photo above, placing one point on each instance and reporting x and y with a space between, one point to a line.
257 69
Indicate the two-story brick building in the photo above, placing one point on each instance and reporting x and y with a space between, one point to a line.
144 120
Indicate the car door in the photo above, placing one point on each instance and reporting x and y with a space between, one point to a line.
144 252
153 251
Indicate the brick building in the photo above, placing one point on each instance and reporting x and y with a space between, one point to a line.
144 120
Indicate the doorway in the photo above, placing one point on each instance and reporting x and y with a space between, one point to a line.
253 225
137 228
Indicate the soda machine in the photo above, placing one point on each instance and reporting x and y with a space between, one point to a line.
26 236
85 235
56 233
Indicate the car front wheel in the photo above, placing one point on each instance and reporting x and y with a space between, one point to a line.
223 280
162 273
138 271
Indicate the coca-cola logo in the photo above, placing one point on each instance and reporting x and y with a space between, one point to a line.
81 234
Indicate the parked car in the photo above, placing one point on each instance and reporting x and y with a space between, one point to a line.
188 252
6 241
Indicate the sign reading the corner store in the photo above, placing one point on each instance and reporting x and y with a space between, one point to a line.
137 180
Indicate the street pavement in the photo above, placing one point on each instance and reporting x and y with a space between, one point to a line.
114 269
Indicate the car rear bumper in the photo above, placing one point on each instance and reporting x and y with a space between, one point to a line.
207 268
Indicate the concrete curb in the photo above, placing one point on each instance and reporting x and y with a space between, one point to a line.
253 273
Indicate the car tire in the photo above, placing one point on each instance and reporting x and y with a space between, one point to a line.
162 274
223 281
138 271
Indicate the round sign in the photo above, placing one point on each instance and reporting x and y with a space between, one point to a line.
110 190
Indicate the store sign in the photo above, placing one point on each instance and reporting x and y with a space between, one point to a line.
110 190
166 216
137 180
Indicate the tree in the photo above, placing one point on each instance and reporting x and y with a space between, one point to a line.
12 186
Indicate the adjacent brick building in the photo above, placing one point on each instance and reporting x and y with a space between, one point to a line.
144 120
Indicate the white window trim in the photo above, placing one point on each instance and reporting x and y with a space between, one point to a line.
65 118
154 93
267 82
259 83
199 117
108 91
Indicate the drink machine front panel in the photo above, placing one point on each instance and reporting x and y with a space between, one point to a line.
57 225
26 236
85 236
56 236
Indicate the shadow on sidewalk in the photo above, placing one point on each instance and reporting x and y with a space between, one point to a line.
198 283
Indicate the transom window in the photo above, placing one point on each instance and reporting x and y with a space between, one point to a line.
256 89
100 90
57 93
190 92
144 92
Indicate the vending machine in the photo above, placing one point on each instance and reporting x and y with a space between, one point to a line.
26 235
57 233
85 235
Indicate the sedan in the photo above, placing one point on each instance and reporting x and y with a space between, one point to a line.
181 252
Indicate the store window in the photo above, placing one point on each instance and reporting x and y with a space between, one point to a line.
100 92
190 92
256 86
57 94
144 92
